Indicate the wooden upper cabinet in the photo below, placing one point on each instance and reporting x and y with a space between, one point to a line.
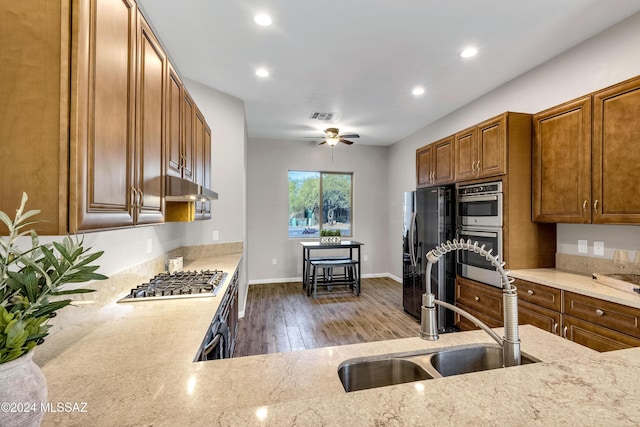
466 154
206 179
616 154
444 161
562 163
435 163
424 166
102 140
492 147
481 150
148 184
173 135
188 139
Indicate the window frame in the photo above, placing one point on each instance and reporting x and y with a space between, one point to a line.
321 218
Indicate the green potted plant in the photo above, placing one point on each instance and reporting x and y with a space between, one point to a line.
29 278
329 235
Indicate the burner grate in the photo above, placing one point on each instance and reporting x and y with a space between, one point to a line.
179 284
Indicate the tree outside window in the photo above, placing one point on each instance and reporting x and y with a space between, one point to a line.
319 200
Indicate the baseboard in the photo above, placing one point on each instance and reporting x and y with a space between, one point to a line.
299 279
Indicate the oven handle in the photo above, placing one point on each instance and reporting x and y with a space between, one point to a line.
478 233
487 198
211 346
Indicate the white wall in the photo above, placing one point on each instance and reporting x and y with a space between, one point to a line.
606 59
268 203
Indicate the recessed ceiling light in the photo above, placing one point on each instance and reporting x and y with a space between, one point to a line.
262 20
418 91
468 52
262 72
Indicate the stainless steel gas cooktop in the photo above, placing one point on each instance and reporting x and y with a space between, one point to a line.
181 284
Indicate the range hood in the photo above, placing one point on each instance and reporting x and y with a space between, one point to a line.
181 190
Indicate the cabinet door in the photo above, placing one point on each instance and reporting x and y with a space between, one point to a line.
466 154
173 139
149 182
596 337
562 163
103 115
616 154
484 300
199 138
188 137
540 317
492 147
206 181
424 162
443 161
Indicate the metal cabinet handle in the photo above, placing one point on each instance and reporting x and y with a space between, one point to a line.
584 206
599 312
478 166
595 206
477 298
564 332
530 292
555 328
473 166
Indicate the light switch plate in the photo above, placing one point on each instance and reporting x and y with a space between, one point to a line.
582 246
149 245
216 236
598 248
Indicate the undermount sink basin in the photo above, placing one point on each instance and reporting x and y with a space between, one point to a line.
398 369
379 373
470 359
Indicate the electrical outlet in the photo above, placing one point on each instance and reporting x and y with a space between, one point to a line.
149 245
215 235
582 246
598 248
274 261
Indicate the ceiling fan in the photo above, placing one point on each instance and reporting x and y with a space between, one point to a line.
333 137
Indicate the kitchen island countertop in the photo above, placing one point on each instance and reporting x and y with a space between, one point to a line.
133 365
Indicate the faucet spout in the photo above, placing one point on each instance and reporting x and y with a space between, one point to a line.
510 343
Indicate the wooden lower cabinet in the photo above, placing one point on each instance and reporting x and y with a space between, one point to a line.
596 337
592 322
540 317
480 300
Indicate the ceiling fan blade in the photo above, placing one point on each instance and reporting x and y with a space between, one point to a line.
351 135
346 142
323 142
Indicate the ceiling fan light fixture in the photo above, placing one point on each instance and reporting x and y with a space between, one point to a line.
417 91
262 72
332 141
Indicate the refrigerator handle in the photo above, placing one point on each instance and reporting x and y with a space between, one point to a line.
412 231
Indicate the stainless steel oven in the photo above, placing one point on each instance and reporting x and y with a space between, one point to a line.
473 266
480 205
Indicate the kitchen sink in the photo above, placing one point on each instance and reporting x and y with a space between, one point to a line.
379 373
397 369
470 359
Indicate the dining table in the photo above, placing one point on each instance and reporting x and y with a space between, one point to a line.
354 247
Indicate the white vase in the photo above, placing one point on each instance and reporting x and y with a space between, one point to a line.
23 390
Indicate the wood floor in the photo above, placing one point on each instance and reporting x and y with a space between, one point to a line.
279 317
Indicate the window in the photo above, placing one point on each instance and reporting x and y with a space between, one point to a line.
319 200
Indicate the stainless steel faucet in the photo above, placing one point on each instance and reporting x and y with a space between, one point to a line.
510 343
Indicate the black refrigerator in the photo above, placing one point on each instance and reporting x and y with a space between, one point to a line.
429 219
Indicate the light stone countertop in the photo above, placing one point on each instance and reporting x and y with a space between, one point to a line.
132 364
581 284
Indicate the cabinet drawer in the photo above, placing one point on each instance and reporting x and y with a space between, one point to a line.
540 317
604 313
482 298
467 325
544 296
596 337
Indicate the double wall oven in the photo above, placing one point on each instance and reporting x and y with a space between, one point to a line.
480 219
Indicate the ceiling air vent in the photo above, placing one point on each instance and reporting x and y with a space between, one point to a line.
323 116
